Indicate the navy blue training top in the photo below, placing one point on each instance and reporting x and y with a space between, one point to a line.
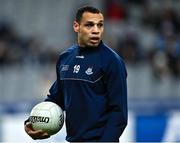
91 88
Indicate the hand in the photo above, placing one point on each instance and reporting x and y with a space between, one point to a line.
35 134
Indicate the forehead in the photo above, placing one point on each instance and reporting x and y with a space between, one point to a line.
93 17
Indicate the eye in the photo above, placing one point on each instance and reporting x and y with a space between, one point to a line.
89 25
100 25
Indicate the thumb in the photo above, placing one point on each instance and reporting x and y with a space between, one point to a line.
29 125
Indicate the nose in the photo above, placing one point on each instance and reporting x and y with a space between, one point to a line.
95 30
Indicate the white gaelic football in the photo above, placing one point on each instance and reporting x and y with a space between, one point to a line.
47 116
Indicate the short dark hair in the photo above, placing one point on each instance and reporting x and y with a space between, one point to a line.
83 9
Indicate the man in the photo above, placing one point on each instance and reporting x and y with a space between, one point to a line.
91 85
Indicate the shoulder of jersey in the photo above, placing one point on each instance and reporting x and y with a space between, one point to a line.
68 51
111 54
107 51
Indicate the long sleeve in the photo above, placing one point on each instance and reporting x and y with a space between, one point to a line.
115 78
55 93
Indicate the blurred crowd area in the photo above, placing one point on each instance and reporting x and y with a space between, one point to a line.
139 30
145 33
16 49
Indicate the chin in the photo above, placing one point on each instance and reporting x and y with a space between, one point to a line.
93 45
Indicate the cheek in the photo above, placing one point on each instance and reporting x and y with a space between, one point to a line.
83 37
84 34
102 30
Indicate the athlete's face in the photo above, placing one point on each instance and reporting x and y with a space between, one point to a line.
89 29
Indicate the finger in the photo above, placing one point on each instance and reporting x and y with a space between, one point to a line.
45 135
28 128
39 134
29 125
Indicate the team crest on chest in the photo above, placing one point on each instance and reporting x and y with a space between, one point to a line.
89 71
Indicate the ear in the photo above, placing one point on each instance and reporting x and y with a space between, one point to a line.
76 26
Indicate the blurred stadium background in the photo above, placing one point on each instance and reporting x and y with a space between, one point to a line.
144 32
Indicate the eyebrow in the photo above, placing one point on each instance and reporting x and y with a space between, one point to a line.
101 21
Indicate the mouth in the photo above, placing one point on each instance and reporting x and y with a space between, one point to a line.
94 40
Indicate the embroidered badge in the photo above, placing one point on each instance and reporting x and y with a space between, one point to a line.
89 71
